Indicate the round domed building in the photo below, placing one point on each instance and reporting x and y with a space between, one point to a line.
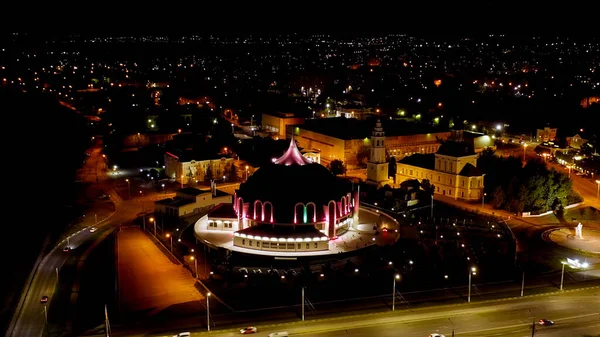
293 205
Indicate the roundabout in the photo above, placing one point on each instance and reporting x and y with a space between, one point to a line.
567 237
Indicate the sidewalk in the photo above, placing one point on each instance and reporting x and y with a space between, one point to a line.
488 210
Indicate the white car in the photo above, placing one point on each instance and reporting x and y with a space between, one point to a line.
93 229
182 334
436 335
279 334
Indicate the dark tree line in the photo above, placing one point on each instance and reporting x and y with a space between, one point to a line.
530 188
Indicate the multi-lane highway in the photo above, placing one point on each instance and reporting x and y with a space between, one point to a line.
575 313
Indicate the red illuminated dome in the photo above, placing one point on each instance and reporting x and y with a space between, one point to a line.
294 191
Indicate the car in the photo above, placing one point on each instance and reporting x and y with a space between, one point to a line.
183 334
93 229
248 330
67 249
435 334
546 322
44 299
279 334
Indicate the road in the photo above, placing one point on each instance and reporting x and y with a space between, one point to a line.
29 318
575 313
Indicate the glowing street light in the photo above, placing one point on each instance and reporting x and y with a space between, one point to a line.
598 190
169 236
396 278
129 187
575 264
472 271
208 311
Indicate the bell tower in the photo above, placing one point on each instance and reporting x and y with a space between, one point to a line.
377 167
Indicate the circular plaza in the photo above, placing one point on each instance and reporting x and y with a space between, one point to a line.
585 239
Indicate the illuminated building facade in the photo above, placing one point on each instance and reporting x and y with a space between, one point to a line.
293 204
452 170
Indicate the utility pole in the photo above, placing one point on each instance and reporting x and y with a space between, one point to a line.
523 284
452 326
302 303
106 322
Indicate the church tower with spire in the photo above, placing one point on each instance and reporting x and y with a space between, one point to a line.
377 167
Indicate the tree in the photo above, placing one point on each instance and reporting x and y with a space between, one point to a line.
392 167
209 174
362 156
233 173
337 167
427 186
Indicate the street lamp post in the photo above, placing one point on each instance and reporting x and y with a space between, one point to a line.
523 284
302 303
598 190
128 187
524 149
562 275
208 311
247 172
152 220
532 323
396 277
452 326
483 201
182 181
171 238
472 271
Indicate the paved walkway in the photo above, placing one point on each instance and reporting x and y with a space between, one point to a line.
148 280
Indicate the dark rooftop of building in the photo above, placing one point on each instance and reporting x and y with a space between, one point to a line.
174 202
283 231
192 191
456 149
426 161
470 171
352 128
222 211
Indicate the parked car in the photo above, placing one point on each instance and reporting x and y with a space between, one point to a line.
44 299
67 249
93 229
279 334
544 321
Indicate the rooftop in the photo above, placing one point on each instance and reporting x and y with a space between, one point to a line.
470 171
174 202
456 149
426 161
192 191
222 211
352 128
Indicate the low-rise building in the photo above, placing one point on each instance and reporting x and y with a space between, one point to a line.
452 170
186 170
276 124
191 200
546 134
576 141
345 138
